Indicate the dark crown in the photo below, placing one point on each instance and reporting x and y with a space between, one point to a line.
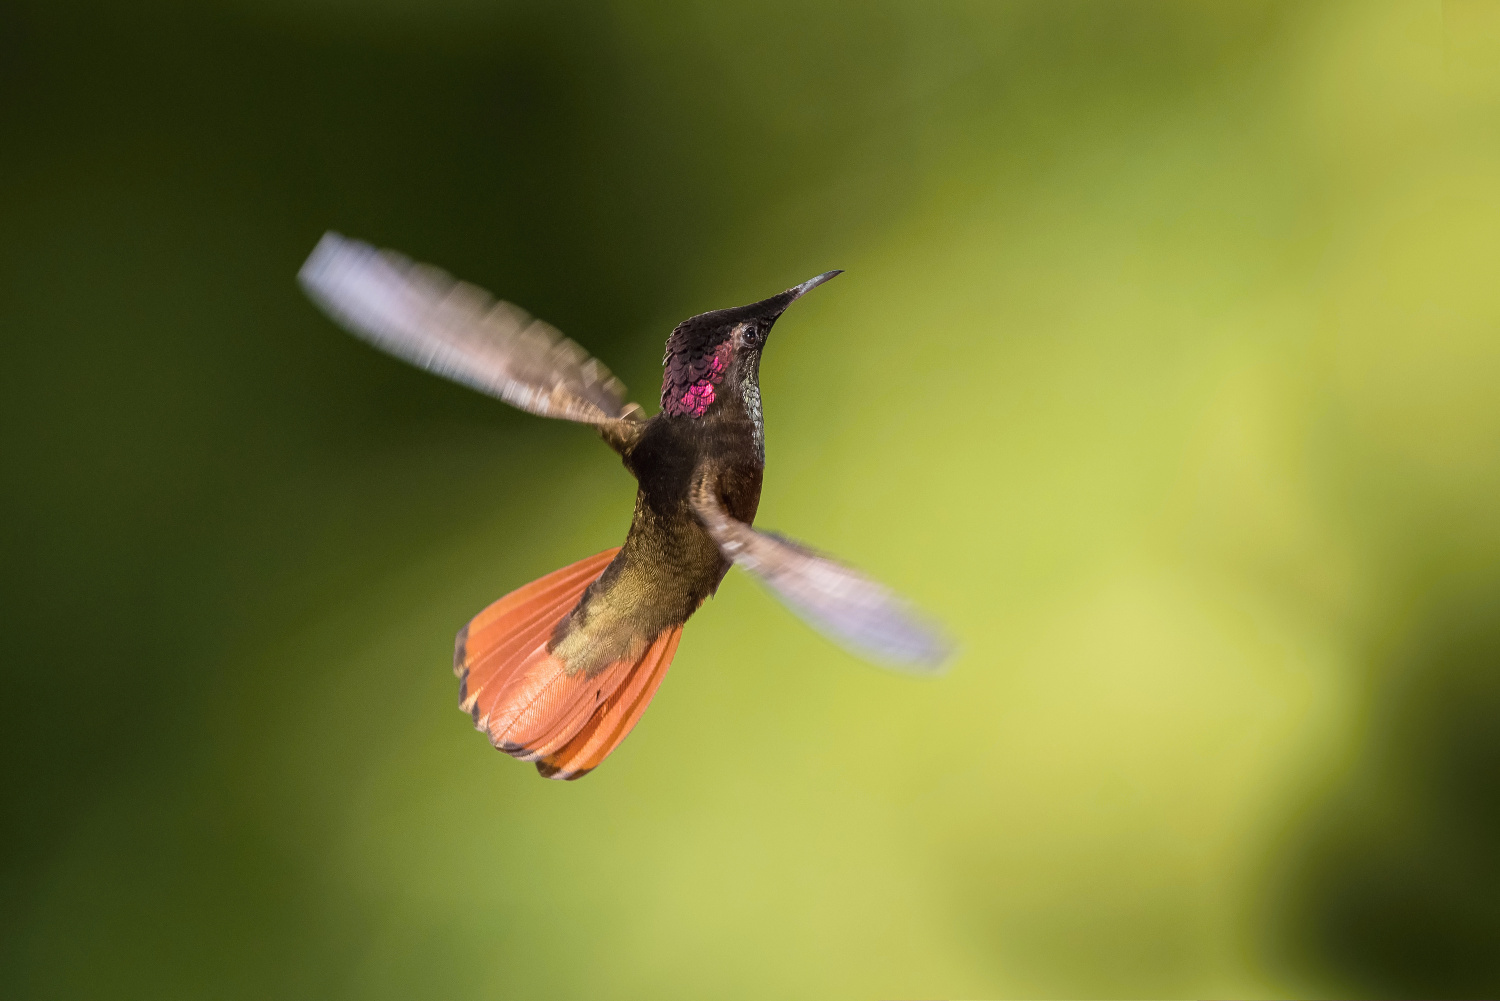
699 349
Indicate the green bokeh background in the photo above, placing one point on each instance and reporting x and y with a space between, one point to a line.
1165 370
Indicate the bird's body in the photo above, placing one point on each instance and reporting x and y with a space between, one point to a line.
558 671
669 564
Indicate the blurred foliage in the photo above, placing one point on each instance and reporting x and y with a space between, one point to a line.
1163 370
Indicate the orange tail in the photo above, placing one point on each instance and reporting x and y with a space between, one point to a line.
526 700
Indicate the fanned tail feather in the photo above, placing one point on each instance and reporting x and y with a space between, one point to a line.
526 700
610 724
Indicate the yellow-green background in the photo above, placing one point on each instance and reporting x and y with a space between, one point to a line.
1165 371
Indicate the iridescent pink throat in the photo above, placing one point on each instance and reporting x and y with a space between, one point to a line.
700 395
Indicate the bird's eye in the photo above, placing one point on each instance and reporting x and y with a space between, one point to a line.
751 335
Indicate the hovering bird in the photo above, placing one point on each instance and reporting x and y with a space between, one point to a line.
559 671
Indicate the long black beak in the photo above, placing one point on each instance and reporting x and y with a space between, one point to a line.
798 291
768 310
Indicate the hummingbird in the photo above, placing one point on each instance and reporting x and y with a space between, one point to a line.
558 671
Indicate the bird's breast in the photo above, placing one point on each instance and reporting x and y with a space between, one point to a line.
672 450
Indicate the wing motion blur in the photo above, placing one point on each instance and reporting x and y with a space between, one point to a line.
425 316
841 603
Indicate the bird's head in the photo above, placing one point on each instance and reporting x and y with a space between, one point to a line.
722 349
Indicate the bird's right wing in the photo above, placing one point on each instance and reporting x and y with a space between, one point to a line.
423 315
841 603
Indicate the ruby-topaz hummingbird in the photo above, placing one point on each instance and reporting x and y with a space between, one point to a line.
558 671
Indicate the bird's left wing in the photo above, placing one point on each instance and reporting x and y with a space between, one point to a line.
423 315
841 603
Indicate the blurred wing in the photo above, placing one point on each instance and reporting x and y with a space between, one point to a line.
423 315
839 602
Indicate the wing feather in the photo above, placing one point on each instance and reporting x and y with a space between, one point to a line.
839 602
424 316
